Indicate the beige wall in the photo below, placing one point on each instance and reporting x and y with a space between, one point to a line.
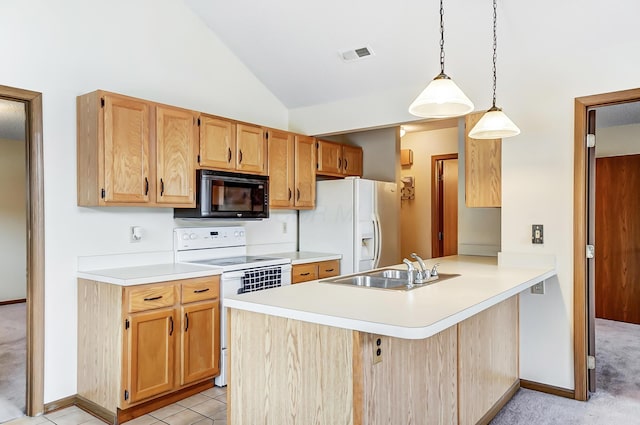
13 212
415 214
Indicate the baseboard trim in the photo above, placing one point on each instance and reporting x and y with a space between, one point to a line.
502 401
60 404
549 389
18 301
96 410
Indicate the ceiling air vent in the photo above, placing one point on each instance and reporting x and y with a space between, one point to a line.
355 54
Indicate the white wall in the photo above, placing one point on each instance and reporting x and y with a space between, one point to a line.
13 220
549 53
618 140
153 49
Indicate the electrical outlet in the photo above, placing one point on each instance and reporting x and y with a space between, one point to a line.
135 234
537 234
377 350
538 288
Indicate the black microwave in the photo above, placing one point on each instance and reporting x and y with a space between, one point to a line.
228 195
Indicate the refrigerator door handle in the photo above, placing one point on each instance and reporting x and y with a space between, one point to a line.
377 236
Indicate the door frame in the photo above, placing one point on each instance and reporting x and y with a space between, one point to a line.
35 246
435 207
580 226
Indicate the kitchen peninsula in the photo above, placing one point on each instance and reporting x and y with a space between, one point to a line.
322 353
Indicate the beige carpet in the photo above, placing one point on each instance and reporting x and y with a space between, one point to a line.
616 401
13 356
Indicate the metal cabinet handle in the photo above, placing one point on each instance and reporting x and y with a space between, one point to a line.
339 162
329 270
186 319
229 155
289 193
153 298
171 323
298 194
199 291
161 186
305 274
240 156
345 164
146 186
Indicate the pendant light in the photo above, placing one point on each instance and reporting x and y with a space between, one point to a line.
442 98
494 124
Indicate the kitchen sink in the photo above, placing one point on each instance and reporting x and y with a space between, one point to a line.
385 279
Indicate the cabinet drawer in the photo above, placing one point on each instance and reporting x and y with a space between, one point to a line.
304 272
328 268
200 289
148 297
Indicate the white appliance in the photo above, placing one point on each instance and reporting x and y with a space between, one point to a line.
354 217
226 248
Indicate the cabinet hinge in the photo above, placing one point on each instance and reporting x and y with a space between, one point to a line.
103 193
102 102
198 122
591 362
126 395
126 324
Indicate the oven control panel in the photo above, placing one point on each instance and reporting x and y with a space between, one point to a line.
187 238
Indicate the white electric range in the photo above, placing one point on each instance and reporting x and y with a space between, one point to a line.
226 248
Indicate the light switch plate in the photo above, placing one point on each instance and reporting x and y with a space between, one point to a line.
538 288
537 234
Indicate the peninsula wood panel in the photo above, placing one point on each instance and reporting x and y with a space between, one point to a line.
175 156
99 342
617 237
487 359
415 382
483 168
302 375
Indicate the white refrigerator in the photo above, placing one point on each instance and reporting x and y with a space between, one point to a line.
354 217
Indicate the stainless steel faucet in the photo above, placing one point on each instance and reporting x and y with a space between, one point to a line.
410 272
423 274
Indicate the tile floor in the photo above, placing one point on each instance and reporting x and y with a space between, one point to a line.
206 408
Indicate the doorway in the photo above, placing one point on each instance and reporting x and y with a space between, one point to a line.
444 205
32 101
584 234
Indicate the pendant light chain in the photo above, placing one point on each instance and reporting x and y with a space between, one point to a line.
441 38
495 49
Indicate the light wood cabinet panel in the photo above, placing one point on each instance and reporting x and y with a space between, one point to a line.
305 172
147 297
280 146
329 158
488 359
217 143
328 268
352 160
200 289
151 353
200 341
483 168
175 156
250 147
304 272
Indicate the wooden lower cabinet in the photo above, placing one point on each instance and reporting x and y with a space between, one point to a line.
137 344
316 270
321 374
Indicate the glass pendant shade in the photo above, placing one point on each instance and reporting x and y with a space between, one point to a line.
494 124
442 98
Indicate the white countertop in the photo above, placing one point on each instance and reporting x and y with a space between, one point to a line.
126 276
303 257
415 314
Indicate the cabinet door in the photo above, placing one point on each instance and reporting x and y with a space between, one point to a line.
175 156
250 147
217 143
281 168
352 160
305 172
483 168
151 353
200 341
126 150
329 158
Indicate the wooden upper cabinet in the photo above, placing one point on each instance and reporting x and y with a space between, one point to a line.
113 150
483 168
339 160
280 146
250 149
217 143
305 172
352 160
175 156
